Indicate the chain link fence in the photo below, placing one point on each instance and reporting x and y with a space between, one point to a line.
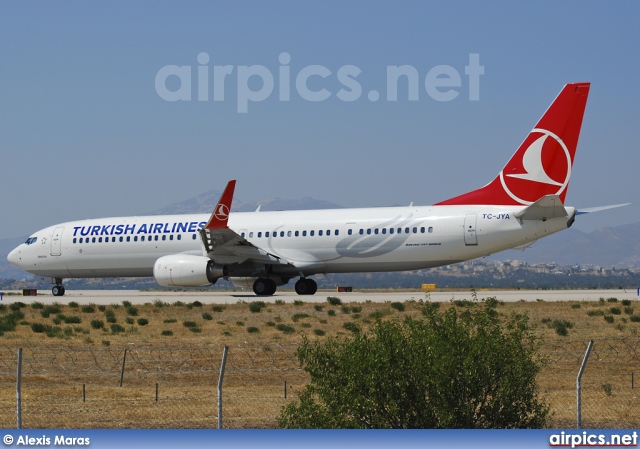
176 387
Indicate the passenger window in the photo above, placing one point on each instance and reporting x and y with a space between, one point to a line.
266 234
384 230
390 230
142 238
304 233
368 231
415 230
242 235
376 231
251 235
311 233
259 234
361 231
430 229
121 238
93 240
156 238
99 239
406 230
422 230
328 231
113 240
164 237
320 232
128 238
288 233
193 237
297 233
337 232
135 239
74 240
171 237
179 236
349 232
281 233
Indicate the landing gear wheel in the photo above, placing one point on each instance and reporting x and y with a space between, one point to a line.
306 286
264 287
58 290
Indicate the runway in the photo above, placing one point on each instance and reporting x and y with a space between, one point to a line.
232 297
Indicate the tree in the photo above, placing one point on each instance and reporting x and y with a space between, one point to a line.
467 367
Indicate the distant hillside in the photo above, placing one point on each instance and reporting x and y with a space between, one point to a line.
205 203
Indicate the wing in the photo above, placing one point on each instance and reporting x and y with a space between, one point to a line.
224 245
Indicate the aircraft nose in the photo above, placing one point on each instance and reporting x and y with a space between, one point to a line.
14 258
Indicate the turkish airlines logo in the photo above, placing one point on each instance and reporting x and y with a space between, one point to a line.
222 212
543 169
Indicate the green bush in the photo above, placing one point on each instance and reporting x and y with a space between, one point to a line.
595 313
17 306
253 330
207 316
398 306
351 326
189 323
142 321
437 373
38 328
97 324
615 311
317 308
131 310
298 302
128 320
37 305
73 304
628 310
256 306
170 320
298 316
608 318
334 301
626 302
285 328
319 332
196 304
612 299
331 312
634 318
116 328
217 308
102 308
49 310
126 303
72 319
89 308
167 333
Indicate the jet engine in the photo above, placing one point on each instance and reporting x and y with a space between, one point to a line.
185 270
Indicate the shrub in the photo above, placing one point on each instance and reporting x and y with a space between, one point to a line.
16 305
285 328
167 333
196 304
106 343
49 310
612 299
217 308
356 309
575 306
256 306
131 310
414 387
159 304
73 304
170 320
37 305
398 306
126 303
195 330
207 316
628 310
102 308
279 302
272 324
240 323
298 316
351 326
142 321
128 320
97 324
319 332
608 318
72 319
634 318
189 324
298 302
116 328
89 308
331 312
345 309
626 302
595 313
334 301
253 330
111 319
38 328
615 311
317 308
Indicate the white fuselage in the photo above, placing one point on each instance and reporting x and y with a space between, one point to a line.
318 241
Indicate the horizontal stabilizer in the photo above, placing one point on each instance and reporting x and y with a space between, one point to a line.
588 210
549 206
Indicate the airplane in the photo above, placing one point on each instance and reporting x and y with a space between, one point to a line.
264 250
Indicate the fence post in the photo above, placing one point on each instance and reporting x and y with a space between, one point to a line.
578 394
124 360
222 367
19 389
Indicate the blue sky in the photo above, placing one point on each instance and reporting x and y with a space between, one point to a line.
84 132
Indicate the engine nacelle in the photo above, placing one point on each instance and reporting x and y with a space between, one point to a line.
186 270
248 281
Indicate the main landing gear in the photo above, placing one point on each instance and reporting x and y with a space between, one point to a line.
264 287
267 286
306 286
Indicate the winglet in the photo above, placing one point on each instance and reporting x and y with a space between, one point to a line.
220 214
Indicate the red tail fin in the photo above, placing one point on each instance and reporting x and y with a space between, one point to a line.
542 164
220 214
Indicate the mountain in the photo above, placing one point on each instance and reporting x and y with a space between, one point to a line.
204 203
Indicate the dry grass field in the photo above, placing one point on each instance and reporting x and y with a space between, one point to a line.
179 347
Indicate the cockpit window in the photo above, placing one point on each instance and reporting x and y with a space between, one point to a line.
31 240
